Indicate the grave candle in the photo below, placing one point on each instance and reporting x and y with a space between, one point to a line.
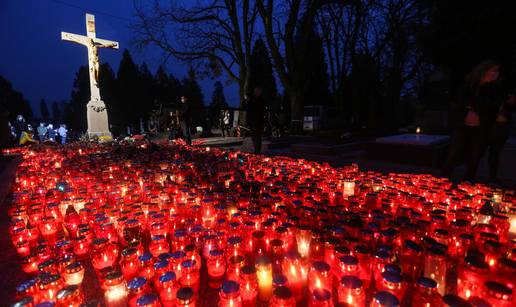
235 265
129 263
282 297
350 292
74 274
185 297
216 266
264 275
249 285
168 288
190 274
70 296
303 239
230 294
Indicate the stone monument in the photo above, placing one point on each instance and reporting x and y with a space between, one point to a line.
98 124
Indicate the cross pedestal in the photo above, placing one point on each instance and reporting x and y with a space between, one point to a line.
97 117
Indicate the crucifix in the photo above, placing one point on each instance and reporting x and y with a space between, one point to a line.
98 124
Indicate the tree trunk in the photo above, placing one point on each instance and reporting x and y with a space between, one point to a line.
296 113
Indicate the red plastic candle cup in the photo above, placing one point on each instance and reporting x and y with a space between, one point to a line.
229 295
186 297
351 291
282 297
216 266
168 286
248 285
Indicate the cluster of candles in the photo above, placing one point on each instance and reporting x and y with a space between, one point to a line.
161 224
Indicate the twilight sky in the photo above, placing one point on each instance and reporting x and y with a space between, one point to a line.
40 65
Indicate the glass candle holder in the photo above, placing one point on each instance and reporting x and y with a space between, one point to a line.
320 297
498 294
168 286
137 287
471 277
303 239
248 285
319 276
384 299
148 300
425 293
70 296
129 263
435 267
115 294
216 266
186 297
103 254
282 297
264 275
351 292
229 295
235 265
49 287
296 271
74 274
158 245
190 275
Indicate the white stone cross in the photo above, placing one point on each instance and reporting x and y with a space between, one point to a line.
97 114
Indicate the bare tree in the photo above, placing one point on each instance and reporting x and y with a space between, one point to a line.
215 33
287 26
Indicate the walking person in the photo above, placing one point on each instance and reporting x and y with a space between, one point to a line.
224 123
52 133
62 131
255 118
185 117
473 116
498 136
42 132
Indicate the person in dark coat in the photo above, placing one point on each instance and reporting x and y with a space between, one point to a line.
473 116
498 135
185 119
255 118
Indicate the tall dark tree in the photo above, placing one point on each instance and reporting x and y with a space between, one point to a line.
218 100
168 87
314 73
146 91
262 72
13 101
128 103
56 112
192 90
44 109
108 91
76 110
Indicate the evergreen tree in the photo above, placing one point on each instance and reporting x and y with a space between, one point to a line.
13 101
193 92
56 112
168 87
128 91
76 110
108 92
44 110
218 100
261 71
314 76
146 91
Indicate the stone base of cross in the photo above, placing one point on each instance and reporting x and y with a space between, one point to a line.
97 117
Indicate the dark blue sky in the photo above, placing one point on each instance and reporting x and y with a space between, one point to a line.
40 65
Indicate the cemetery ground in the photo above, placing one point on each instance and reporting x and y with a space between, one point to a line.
336 153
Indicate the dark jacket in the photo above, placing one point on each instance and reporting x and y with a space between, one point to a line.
485 100
185 113
256 112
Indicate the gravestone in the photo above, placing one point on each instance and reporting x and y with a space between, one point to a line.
417 149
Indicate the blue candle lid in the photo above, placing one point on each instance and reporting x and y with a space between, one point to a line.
185 293
321 295
279 280
178 254
147 299
145 257
161 264
26 301
167 276
321 266
349 260
427 282
351 282
387 299
136 283
230 286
